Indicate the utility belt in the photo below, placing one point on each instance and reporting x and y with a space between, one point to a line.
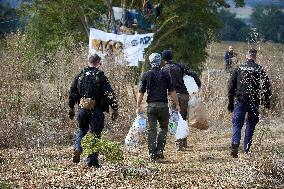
87 103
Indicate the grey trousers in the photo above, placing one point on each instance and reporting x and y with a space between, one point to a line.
183 102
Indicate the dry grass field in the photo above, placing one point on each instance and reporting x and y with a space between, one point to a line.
36 135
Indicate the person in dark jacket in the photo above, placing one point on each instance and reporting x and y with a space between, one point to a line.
177 71
158 85
250 85
92 91
230 59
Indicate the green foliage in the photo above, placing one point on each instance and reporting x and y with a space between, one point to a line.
269 22
53 24
233 29
110 150
186 28
4 185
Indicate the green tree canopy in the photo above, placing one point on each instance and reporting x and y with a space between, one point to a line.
232 28
269 22
185 27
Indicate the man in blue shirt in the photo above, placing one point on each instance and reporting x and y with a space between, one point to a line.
158 85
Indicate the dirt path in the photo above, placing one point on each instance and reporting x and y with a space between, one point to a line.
205 164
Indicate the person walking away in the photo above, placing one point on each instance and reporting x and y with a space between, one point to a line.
158 85
230 59
250 85
177 72
93 93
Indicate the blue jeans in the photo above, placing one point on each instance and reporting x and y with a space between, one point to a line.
89 120
238 121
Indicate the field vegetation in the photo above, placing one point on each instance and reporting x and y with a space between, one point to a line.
36 135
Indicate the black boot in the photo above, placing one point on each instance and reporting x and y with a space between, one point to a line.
94 161
234 150
185 143
179 145
76 156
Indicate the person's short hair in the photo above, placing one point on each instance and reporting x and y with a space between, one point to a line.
167 55
94 58
252 51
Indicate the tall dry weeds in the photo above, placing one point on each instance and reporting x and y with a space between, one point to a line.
34 95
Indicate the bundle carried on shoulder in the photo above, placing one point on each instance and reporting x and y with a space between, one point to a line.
198 117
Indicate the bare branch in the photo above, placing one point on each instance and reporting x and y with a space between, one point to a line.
164 24
83 22
165 35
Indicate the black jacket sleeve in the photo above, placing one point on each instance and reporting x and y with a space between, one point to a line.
143 83
74 95
188 72
108 93
232 85
266 87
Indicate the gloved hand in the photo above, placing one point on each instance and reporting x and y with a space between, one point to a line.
114 115
231 105
71 113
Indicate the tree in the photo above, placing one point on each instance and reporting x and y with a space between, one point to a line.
269 22
232 28
53 24
185 27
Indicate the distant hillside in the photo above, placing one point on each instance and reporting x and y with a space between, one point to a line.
253 3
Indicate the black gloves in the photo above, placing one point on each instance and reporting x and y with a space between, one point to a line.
114 115
231 105
71 113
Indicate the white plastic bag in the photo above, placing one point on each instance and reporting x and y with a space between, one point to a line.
182 128
193 101
173 122
190 84
140 123
139 126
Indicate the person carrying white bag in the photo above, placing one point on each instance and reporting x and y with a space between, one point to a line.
158 85
177 72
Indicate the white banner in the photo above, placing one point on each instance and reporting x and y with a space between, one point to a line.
123 47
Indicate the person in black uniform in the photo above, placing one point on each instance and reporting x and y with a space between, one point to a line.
177 71
93 93
250 85
158 85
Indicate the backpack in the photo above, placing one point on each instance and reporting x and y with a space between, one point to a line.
89 83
